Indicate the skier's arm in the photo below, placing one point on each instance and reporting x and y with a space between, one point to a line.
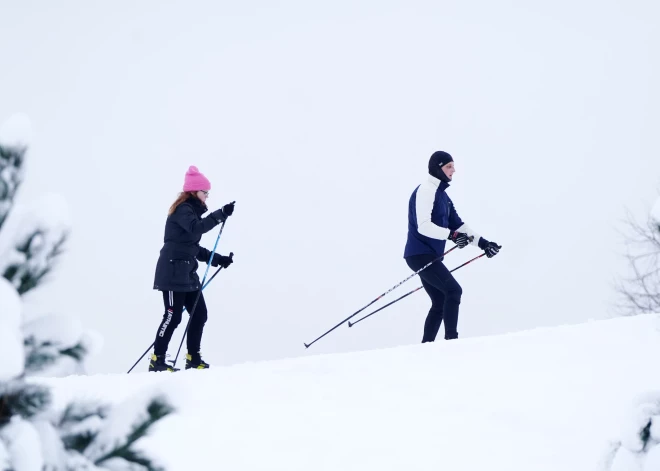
185 217
203 255
423 209
473 235
457 224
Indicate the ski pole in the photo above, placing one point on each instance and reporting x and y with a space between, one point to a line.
409 293
381 308
184 310
307 345
199 293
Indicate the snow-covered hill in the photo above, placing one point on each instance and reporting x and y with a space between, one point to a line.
546 399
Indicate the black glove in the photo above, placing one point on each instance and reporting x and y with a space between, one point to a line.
491 248
222 260
223 213
459 238
228 209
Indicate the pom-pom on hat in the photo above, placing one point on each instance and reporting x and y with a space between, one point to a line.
195 180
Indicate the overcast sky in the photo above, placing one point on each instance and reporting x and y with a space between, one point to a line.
318 118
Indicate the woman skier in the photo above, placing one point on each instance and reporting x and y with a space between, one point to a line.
432 220
176 270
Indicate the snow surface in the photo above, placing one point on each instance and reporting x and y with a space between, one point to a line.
23 444
545 399
52 447
11 339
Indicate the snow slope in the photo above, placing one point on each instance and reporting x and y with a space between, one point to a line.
545 399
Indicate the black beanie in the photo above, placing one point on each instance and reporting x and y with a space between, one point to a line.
438 160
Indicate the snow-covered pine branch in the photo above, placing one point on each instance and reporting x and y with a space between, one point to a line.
14 141
57 345
33 436
639 446
11 340
33 238
20 398
11 160
115 443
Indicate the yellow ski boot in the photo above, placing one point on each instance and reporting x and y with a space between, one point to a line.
158 363
194 361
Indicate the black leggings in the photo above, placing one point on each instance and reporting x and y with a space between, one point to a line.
445 294
174 302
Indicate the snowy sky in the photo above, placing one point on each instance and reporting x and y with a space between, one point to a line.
319 121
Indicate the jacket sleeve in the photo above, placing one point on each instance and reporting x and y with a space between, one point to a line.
423 208
457 224
185 217
470 232
203 255
455 221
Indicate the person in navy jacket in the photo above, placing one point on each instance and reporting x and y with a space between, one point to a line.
432 220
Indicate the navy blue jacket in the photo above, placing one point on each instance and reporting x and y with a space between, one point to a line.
177 265
431 218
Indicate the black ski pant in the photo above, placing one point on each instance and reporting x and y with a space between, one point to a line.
174 302
445 294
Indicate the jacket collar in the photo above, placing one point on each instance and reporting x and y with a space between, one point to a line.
436 182
197 205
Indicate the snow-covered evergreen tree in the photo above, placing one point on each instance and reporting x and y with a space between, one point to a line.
33 435
32 237
638 448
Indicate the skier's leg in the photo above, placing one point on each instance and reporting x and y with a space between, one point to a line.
434 317
452 303
197 322
440 278
173 302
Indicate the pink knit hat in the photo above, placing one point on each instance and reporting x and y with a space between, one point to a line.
195 180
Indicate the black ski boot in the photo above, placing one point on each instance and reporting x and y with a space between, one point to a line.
157 363
195 361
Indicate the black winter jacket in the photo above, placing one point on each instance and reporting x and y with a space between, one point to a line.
177 265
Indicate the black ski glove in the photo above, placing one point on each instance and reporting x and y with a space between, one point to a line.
222 260
223 213
459 238
491 248
228 209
